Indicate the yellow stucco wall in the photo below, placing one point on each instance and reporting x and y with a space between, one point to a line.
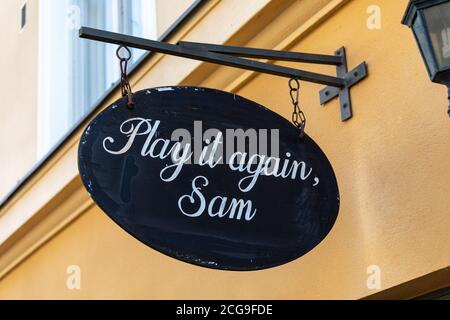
391 162
168 11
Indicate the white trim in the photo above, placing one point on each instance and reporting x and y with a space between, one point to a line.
51 61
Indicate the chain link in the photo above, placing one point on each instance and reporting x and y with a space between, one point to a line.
298 117
125 86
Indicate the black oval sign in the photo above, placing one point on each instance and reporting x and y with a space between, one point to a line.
209 178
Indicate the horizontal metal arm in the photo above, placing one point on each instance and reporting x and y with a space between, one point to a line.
208 56
266 54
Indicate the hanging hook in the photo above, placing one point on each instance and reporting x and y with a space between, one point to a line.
298 117
128 53
124 81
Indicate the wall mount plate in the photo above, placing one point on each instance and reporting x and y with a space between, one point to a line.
351 78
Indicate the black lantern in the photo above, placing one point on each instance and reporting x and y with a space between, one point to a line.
430 22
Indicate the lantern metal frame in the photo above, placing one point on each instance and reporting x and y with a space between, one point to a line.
414 18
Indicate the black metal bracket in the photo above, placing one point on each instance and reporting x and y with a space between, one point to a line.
236 57
351 78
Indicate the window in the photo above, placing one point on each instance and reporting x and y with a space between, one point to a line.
75 73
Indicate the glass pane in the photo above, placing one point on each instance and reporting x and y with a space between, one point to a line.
438 23
75 73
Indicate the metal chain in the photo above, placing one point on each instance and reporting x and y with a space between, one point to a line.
298 117
125 86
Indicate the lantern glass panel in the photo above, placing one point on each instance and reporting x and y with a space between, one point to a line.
437 19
